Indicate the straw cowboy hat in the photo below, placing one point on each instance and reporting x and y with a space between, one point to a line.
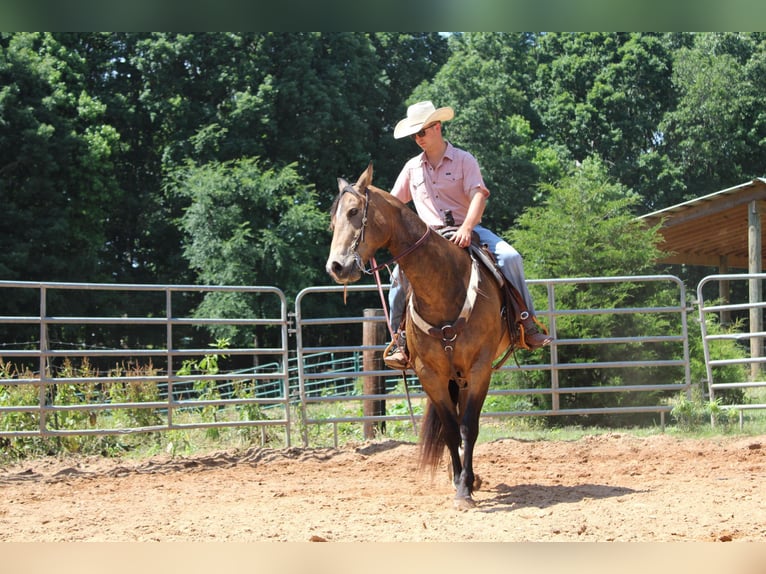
419 115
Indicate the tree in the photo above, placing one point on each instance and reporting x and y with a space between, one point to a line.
56 161
248 225
605 94
589 228
590 231
715 135
486 80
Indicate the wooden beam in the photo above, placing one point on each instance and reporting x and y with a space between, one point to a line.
710 207
755 264
706 260
724 290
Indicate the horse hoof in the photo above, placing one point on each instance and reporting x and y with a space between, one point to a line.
464 503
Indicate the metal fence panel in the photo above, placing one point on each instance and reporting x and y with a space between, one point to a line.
746 311
306 373
549 361
137 386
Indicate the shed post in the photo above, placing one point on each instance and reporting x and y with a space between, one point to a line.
754 259
724 290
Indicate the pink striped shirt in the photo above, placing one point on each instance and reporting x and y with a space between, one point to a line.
448 186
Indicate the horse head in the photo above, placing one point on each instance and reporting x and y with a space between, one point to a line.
356 231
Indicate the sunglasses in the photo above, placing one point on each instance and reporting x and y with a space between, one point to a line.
422 132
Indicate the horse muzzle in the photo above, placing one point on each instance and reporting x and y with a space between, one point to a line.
343 269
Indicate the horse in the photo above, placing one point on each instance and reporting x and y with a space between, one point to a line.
452 343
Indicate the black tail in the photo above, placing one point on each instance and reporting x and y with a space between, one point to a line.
432 439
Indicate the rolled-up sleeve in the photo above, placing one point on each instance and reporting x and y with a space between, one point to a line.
472 178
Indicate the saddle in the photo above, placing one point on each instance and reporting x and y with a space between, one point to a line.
512 301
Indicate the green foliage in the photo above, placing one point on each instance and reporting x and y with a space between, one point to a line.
713 134
210 157
248 225
603 94
590 232
588 229
17 395
96 125
692 413
126 395
128 391
720 349
67 394
56 160
206 389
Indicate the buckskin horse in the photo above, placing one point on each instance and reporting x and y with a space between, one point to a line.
454 327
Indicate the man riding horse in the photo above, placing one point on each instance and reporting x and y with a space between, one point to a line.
447 188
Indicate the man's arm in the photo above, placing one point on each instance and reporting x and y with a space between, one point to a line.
462 236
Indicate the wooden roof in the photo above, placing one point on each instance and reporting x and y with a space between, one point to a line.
703 230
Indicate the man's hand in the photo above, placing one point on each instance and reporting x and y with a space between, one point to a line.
462 236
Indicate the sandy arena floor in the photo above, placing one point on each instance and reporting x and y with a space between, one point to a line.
605 488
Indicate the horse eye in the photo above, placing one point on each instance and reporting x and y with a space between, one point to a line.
353 211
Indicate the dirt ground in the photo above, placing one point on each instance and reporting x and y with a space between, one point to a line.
604 488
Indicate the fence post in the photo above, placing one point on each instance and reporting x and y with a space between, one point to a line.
373 333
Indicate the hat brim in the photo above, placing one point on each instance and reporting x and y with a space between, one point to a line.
409 126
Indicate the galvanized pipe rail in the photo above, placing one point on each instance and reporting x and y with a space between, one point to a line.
555 366
45 353
757 379
306 378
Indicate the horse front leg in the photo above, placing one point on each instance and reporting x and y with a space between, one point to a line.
470 404
464 482
452 439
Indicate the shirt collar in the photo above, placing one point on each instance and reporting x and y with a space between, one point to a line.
449 154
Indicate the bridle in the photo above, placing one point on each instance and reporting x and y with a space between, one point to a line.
359 238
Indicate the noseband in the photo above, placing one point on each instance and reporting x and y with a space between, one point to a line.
360 236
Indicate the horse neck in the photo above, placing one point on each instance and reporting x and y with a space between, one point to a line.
437 270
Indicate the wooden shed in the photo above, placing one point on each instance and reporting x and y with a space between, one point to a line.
721 230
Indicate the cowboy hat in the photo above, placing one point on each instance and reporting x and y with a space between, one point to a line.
419 115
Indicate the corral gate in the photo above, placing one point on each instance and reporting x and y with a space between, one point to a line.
144 385
284 386
676 370
747 310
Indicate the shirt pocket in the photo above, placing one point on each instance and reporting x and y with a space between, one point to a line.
454 177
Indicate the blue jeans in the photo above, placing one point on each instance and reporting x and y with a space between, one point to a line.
508 259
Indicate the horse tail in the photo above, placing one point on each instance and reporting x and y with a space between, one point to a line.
432 439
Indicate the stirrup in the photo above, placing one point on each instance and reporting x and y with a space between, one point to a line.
395 357
531 331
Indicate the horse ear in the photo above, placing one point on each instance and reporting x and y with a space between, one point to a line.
342 184
365 180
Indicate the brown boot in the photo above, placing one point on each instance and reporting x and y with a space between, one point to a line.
533 337
395 356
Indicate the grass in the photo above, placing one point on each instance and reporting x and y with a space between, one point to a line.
195 442
690 418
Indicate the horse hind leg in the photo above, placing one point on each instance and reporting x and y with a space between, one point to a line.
468 482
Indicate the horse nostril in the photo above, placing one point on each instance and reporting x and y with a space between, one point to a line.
336 267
